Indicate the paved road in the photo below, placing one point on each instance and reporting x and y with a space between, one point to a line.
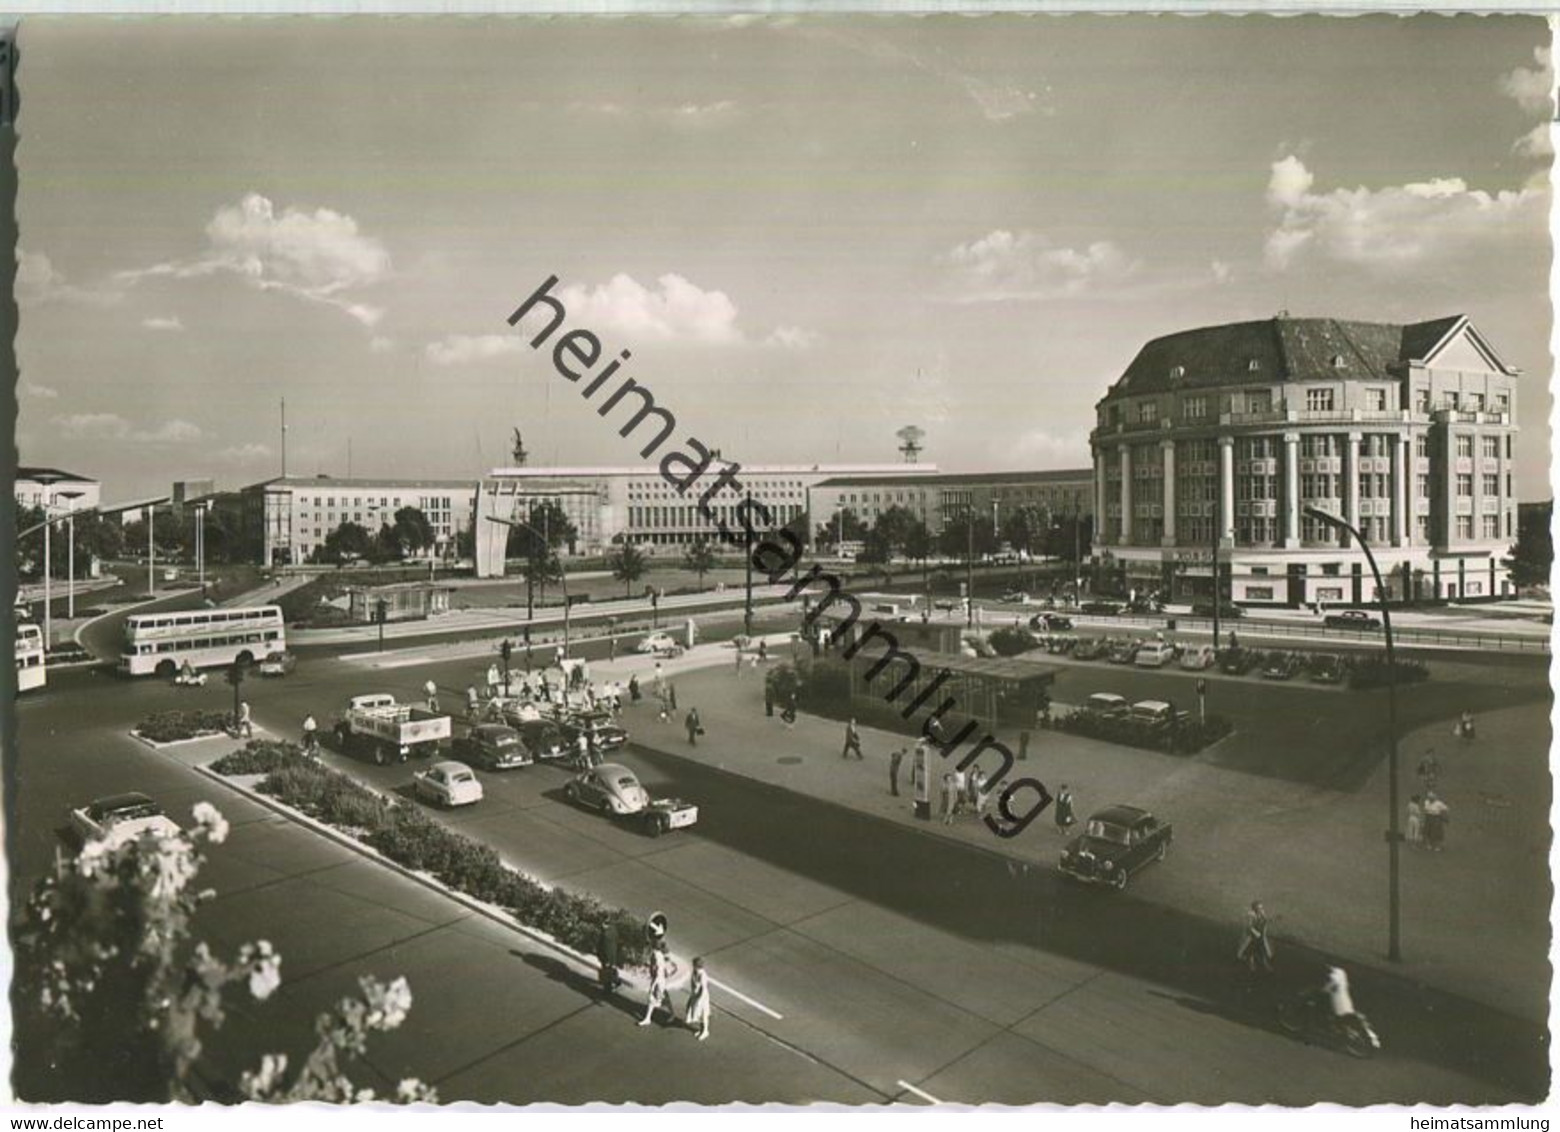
892 959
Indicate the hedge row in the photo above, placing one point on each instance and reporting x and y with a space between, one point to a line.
1184 738
1372 672
405 835
171 726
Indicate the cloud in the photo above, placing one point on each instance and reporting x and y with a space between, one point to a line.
1532 88
1535 143
112 426
1222 271
314 256
675 310
458 349
792 338
1398 227
379 344
162 323
40 392
37 281
245 454
1005 265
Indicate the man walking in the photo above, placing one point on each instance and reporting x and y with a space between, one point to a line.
852 740
695 728
1255 949
893 769
432 691
1064 810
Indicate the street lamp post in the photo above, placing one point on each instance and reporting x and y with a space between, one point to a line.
563 575
1394 836
969 565
151 552
747 555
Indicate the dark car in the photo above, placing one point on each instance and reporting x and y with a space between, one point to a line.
1228 610
1100 608
543 738
604 734
1116 843
1281 665
1123 652
493 746
1351 619
1325 668
1050 623
1090 648
1238 662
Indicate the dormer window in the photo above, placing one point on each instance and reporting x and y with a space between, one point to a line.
1177 372
1253 366
1338 362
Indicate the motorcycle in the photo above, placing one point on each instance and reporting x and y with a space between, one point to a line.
1308 1016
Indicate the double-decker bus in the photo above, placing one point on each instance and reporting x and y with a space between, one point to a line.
163 643
29 657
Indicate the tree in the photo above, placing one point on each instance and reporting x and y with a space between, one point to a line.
115 997
919 543
413 530
955 540
847 525
893 527
875 547
1026 527
700 558
348 541
1534 552
628 565
536 539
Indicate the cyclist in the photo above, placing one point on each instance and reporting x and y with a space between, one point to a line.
311 736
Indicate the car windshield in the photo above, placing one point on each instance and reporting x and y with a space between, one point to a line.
1105 831
133 811
627 781
461 776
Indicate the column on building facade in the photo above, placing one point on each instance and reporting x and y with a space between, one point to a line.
1100 456
1291 489
1351 483
1402 476
1167 450
1126 495
1227 489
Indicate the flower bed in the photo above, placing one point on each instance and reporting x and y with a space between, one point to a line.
172 726
1185 738
406 836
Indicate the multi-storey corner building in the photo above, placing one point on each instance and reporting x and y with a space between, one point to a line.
52 488
1230 432
292 515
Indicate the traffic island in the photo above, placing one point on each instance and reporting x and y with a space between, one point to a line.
171 728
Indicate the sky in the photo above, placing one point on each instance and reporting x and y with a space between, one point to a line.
809 232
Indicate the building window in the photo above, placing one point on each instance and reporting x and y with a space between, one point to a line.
1253 366
1490 446
1491 483
1177 372
1421 400
1491 526
1422 528
1376 400
1338 361
1465 526
1502 403
1474 403
1259 593
1508 447
1260 402
1421 486
1422 445
1194 408
1319 400
1465 485
1148 412
1465 446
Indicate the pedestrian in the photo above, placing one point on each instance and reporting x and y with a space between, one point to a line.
1429 771
695 728
617 697
558 657
933 730
245 723
634 694
473 701
697 1016
659 678
947 797
1256 950
607 956
763 650
1023 745
1437 817
432 691
493 678
893 769
769 700
753 662
1064 810
311 735
612 647
977 788
739 660
1234 642
582 751
660 974
852 740
1416 820
671 695
960 790
1465 727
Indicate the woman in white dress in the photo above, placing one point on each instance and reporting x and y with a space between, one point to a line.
660 973
698 1014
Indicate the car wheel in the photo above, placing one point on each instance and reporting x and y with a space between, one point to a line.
1159 853
1119 881
379 755
167 669
658 825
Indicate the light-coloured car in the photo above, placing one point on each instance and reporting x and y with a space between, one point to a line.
447 784
661 644
1106 703
120 818
1196 659
1156 713
278 664
1155 654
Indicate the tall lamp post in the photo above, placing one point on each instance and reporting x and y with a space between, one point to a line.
1394 836
747 556
969 565
563 575
70 551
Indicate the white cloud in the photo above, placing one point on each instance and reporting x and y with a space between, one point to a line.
1026 265
1397 227
458 349
1537 142
1222 271
162 323
245 454
313 256
379 344
40 392
792 338
38 281
675 310
1533 88
112 426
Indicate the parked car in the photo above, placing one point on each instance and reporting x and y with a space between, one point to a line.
1154 654
1281 665
604 734
1060 645
1115 843
1238 662
1106 703
1016 597
278 664
1090 648
447 784
1122 652
1155 713
1351 619
494 746
1228 610
120 818
1050 623
614 790
1100 608
948 606
660 644
543 738
1199 657
1325 668
1141 605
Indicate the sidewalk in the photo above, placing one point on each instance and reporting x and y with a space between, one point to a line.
1315 857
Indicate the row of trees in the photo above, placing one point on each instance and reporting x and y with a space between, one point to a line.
409 535
900 532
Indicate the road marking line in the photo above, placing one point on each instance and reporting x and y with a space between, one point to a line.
922 1093
754 1003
